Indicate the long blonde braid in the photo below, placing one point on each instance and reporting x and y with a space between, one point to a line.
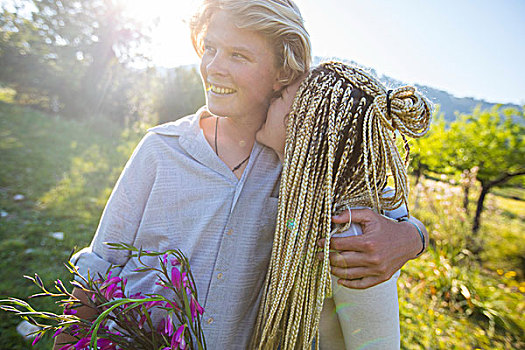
339 147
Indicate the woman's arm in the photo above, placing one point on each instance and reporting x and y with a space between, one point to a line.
373 257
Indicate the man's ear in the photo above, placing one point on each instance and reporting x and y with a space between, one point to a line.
278 85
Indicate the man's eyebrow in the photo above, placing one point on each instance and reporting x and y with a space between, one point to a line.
241 48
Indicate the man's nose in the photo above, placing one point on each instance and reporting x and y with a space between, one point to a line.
217 64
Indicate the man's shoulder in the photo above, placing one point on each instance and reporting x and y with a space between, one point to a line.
177 127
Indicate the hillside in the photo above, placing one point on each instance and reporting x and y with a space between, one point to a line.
449 104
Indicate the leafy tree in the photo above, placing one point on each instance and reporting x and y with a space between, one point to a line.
492 140
467 180
71 51
425 152
22 53
182 93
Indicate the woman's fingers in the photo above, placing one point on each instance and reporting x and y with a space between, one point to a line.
350 273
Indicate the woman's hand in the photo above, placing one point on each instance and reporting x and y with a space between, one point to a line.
373 257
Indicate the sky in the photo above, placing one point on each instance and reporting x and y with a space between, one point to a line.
470 48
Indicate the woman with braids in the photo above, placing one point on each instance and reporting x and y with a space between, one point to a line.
202 184
338 152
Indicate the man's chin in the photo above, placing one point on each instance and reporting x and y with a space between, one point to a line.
217 110
259 136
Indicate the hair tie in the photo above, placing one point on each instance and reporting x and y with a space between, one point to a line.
388 103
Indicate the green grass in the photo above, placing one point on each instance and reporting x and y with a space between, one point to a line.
449 297
65 171
7 94
453 299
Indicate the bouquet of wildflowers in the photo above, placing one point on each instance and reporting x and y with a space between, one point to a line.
128 315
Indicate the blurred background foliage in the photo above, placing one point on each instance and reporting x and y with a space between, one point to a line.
79 58
75 105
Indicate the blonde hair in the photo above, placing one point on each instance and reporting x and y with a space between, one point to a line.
279 21
340 145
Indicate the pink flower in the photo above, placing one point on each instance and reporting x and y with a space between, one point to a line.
178 341
105 344
73 330
175 261
172 305
82 343
110 280
200 309
184 279
153 303
108 293
176 277
113 291
168 326
37 338
195 308
112 287
68 311
137 296
141 321
58 331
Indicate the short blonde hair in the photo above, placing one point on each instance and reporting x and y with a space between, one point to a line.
279 21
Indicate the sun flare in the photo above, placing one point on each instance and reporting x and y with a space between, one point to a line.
171 44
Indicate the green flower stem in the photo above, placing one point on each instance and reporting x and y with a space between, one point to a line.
117 303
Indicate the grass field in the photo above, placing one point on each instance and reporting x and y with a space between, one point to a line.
56 175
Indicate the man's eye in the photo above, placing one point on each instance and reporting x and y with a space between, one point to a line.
238 55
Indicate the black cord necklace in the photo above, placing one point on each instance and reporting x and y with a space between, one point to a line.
217 150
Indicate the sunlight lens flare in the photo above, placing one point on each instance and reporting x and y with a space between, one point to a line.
170 37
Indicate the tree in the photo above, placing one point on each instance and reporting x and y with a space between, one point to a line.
492 140
425 152
182 93
22 55
69 50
